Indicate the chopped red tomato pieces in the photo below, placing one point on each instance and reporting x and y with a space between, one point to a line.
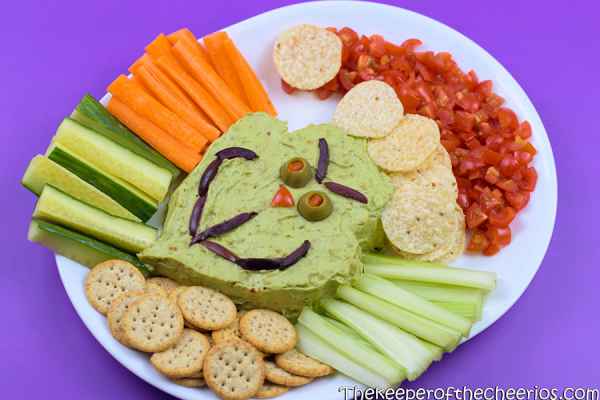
489 147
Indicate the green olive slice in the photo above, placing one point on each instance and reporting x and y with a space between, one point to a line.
296 172
315 206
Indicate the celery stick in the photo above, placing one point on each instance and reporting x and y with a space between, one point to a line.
465 310
421 327
351 345
436 351
400 346
445 293
311 345
448 276
378 258
387 291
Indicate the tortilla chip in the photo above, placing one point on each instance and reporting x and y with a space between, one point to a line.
370 109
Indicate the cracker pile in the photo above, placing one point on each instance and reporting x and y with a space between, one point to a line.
197 337
422 221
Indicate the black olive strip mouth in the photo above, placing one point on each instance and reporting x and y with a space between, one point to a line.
323 163
346 191
235 152
223 227
209 174
221 251
259 264
196 215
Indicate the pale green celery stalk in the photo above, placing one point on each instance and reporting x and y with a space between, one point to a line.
351 345
421 327
378 258
448 276
391 293
436 351
465 310
400 346
313 346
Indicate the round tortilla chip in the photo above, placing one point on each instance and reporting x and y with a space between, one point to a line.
439 156
419 219
436 176
370 109
307 56
451 250
411 142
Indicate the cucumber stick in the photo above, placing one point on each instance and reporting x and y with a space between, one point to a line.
43 171
93 115
402 347
114 159
391 293
313 346
59 208
351 345
422 273
122 192
421 327
80 248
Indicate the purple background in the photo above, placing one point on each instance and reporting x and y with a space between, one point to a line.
52 54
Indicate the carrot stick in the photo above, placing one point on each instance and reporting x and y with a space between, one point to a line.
187 35
146 60
258 99
164 95
147 106
222 63
176 152
206 75
159 46
195 90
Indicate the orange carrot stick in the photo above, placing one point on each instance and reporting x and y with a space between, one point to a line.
206 75
195 90
222 63
176 152
176 90
164 95
159 46
187 35
257 96
147 106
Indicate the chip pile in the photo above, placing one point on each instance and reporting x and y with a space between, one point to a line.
422 221
197 337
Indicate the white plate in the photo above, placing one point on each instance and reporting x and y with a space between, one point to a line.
516 265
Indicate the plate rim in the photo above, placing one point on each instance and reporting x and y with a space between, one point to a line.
520 92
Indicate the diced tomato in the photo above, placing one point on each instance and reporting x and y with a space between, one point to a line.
489 201
463 200
478 242
529 179
503 217
524 130
377 46
508 166
508 119
508 185
287 88
501 236
464 121
491 249
475 216
518 200
492 175
491 157
348 36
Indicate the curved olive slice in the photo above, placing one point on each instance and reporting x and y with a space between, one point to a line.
315 206
296 172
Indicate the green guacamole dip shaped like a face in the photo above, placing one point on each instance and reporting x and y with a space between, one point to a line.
248 186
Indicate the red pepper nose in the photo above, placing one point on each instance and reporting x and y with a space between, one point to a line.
283 198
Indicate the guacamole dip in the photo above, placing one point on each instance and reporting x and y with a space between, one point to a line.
248 186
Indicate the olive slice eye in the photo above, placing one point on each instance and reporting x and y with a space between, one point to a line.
296 172
315 206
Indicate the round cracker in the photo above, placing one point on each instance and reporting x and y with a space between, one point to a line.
152 324
409 144
281 377
116 311
190 382
418 219
206 308
230 332
166 283
269 390
233 370
110 279
307 56
155 288
297 363
370 109
268 331
185 358
453 247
